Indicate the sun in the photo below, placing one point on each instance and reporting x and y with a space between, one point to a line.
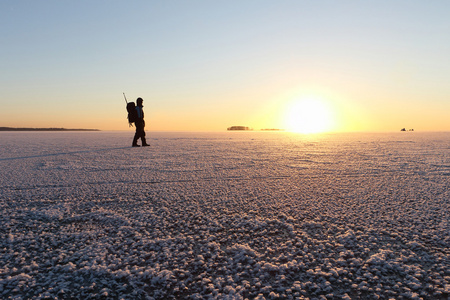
308 115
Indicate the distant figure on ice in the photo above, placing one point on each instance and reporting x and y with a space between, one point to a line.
140 124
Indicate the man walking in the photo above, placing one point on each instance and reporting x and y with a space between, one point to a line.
140 124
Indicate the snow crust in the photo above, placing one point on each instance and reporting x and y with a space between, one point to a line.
233 215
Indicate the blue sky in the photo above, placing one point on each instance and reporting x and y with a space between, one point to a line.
207 65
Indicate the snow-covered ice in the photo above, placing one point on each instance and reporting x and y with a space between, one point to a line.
232 215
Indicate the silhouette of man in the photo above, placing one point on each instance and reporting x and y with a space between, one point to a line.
140 124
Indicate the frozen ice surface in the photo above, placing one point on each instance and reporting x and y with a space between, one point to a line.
230 215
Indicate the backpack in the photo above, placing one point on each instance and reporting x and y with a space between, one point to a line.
132 113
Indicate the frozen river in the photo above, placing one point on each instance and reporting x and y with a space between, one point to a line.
231 215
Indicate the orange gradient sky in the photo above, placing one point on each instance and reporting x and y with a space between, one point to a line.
306 66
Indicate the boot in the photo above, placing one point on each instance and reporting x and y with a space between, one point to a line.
135 139
144 143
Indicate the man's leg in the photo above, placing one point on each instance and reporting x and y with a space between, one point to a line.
144 141
136 135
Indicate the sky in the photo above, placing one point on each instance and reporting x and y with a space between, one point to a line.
307 66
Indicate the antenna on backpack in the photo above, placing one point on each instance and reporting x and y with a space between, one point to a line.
125 98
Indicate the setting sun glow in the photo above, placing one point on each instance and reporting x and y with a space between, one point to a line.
308 116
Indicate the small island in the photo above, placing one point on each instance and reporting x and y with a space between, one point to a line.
238 128
43 129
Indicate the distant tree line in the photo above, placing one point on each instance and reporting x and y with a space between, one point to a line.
43 129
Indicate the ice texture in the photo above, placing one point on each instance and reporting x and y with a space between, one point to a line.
232 215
